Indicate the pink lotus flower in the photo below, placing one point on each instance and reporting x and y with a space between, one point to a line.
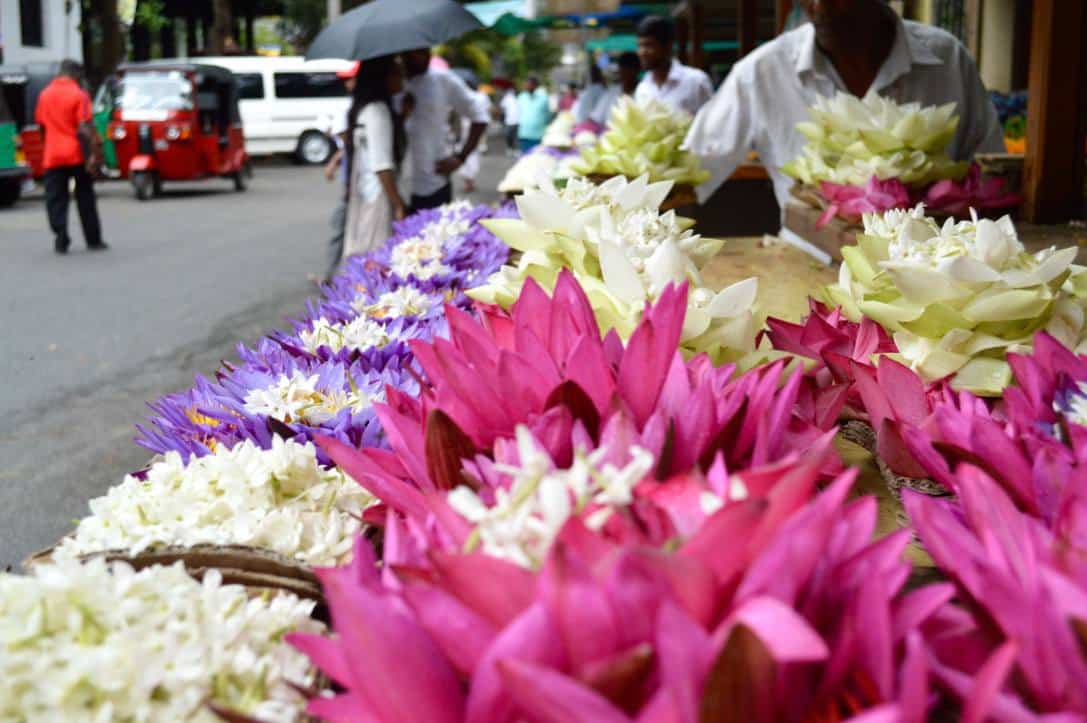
833 346
846 377
852 202
781 607
1033 444
956 198
1015 643
531 418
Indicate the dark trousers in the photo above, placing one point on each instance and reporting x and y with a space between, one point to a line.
440 197
511 138
56 202
338 222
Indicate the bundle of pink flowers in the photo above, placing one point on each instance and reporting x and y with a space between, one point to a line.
578 529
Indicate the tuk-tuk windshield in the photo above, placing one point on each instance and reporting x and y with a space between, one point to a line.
155 90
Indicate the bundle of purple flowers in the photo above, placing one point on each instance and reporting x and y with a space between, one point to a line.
323 375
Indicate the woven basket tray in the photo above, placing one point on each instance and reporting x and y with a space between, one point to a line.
862 434
238 564
255 569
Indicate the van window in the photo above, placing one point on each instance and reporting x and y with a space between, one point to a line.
250 86
309 85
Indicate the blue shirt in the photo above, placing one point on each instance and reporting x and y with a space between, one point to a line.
535 113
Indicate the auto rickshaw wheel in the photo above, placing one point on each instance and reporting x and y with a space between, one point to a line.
145 184
241 181
10 192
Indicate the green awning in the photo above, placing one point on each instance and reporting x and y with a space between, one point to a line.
623 42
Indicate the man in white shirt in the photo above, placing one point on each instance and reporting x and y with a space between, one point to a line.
510 114
434 94
590 95
850 45
629 67
667 79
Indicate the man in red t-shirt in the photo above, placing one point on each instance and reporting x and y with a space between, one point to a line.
72 150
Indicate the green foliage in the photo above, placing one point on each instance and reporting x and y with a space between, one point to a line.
301 21
151 14
490 54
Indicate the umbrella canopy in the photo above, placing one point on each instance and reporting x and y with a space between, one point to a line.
383 27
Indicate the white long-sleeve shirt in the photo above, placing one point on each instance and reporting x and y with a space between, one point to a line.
769 91
436 93
685 88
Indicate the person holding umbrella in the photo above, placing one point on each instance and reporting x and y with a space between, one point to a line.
374 146
411 27
435 94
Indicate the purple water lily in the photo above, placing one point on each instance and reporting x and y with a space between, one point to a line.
322 376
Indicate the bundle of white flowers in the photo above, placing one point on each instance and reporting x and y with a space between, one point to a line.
623 252
644 138
960 296
852 139
528 512
277 499
100 642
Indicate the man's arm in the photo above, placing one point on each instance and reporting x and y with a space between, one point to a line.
981 129
723 133
470 105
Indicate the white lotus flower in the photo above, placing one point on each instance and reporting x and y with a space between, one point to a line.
298 398
623 252
279 499
560 131
644 138
850 140
95 642
958 297
528 513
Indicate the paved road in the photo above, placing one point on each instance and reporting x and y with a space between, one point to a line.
86 339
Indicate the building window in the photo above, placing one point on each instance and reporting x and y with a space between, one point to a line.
30 23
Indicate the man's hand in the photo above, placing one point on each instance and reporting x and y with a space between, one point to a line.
399 212
446 166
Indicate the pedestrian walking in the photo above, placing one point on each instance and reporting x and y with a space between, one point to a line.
336 168
435 94
375 145
534 109
510 115
73 150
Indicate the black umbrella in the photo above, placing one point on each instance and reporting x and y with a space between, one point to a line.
383 27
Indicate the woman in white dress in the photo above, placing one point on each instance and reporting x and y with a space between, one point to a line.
374 147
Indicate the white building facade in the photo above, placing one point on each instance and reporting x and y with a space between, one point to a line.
38 31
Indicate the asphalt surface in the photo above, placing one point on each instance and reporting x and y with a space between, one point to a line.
87 339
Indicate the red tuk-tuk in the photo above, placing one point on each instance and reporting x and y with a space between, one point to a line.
175 121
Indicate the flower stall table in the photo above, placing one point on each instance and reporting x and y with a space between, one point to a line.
787 275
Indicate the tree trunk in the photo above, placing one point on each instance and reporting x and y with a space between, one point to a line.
101 39
222 27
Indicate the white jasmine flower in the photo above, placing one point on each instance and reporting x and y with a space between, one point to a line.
94 642
279 499
528 513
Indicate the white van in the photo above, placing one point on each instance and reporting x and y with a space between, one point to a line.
287 103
